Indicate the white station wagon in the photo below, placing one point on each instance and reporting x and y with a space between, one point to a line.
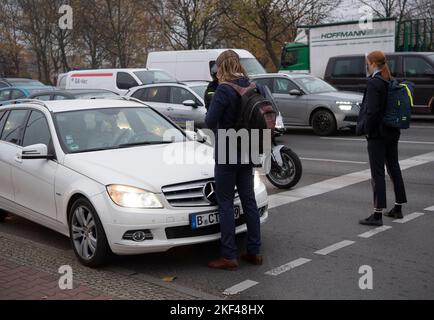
99 172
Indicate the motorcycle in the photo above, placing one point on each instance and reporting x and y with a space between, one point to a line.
285 168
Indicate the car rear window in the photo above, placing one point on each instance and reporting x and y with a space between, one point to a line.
351 67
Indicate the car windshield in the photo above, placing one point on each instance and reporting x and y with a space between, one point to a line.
252 66
200 90
113 128
149 77
96 94
314 85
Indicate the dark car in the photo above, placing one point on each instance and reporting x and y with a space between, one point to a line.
9 94
73 94
19 82
349 73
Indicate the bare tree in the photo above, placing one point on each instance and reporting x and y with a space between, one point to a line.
423 9
11 45
189 24
389 8
36 24
273 22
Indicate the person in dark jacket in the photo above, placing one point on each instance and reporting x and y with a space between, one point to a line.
382 140
222 115
212 87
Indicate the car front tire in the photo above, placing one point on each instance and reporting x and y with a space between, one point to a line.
87 235
324 123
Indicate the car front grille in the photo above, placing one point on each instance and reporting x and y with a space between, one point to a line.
189 194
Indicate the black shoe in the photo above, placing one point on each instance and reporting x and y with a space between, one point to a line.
371 221
394 213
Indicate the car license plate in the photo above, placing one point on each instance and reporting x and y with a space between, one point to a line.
200 220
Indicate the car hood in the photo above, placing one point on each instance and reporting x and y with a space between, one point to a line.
339 95
147 167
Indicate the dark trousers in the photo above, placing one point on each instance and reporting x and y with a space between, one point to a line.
384 151
227 176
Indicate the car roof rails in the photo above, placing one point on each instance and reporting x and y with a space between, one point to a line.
18 101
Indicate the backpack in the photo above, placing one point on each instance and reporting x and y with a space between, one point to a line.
399 104
256 111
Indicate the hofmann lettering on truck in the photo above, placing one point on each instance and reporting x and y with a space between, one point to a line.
329 41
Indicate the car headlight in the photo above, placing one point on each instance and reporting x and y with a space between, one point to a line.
257 180
279 122
345 105
131 197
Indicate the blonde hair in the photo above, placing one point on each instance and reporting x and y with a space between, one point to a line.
379 59
229 67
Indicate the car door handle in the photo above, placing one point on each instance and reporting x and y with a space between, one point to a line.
169 109
18 158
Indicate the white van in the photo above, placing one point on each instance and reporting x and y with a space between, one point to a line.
191 65
116 80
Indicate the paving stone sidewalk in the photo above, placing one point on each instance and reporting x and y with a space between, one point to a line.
29 270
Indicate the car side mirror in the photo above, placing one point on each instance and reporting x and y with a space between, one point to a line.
295 92
36 151
190 103
198 136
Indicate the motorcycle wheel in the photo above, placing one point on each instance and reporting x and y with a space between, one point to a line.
287 175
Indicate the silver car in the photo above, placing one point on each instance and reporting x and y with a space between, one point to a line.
305 100
181 102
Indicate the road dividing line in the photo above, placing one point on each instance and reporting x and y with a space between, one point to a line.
400 141
422 127
240 287
334 247
287 267
319 188
429 209
332 160
373 232
409 217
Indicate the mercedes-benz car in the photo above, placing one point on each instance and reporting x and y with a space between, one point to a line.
115 176
305 100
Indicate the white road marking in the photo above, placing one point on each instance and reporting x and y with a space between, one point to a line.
283 198
373 232
240 287
400 141
423 127
287 267
429 209
332 160
334 247
409 217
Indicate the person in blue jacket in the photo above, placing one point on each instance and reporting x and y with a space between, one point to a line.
382 140
223 115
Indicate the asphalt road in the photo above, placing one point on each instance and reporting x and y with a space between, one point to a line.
401 257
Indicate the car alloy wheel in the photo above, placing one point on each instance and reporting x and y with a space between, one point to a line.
84 233
87 234
323 123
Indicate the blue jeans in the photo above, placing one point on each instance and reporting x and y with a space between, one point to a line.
227 176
